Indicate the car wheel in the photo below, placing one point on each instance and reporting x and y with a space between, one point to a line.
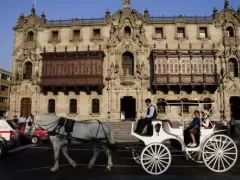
35 140
2 150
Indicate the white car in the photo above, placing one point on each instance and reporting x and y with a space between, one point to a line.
9 137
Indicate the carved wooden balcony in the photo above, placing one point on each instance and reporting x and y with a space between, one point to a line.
4 93
4 106
127 79
184 79
4 82
72 69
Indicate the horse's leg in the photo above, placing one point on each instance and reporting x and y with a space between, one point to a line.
70 160
109 156
56 148
96 152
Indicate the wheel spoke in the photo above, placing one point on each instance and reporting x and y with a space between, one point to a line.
150 165
222 163
228 149
149 156
216 159
211 148
150 153
153 153
226 145
156 167
148 162
219 163
225 160
159 166
212 160
163 161
228 157
162 164
163 155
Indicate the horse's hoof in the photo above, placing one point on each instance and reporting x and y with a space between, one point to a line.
54 170
74 164
108 169
89 168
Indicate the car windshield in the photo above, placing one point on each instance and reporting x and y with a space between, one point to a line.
11 124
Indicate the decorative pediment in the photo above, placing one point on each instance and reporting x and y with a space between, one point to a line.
180 19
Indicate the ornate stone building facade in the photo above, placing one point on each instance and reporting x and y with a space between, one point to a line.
98 68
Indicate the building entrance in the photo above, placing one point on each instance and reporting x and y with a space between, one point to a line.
26 106
128 108
235 104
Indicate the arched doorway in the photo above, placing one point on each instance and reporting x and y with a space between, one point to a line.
26 107
128 63
128 106
234 105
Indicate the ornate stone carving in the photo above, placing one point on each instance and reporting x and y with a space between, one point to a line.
27 91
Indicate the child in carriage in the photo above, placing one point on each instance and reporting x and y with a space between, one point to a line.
192 130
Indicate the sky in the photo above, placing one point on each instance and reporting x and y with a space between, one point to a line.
68 9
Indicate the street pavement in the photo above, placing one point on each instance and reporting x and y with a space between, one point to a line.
35 162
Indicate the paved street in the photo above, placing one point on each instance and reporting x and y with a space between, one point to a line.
35 162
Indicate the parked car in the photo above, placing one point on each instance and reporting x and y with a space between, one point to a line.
38 134
9 137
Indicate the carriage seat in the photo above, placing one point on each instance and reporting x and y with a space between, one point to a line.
212 124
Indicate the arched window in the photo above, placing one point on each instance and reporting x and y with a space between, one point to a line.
27 70
207 106
73 106
233 68
185 106
161 107
51 106
128 63
95 106
230 32
30 36
127 31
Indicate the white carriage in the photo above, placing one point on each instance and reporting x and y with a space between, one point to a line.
215 149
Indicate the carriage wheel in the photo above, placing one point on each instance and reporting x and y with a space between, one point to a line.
219 153
155 158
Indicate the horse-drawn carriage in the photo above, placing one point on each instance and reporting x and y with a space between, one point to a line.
215 149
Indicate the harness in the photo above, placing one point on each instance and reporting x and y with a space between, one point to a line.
68 127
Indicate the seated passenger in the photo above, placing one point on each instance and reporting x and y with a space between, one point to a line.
205 119
151 114
193 129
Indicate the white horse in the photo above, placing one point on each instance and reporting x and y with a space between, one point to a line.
87 130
